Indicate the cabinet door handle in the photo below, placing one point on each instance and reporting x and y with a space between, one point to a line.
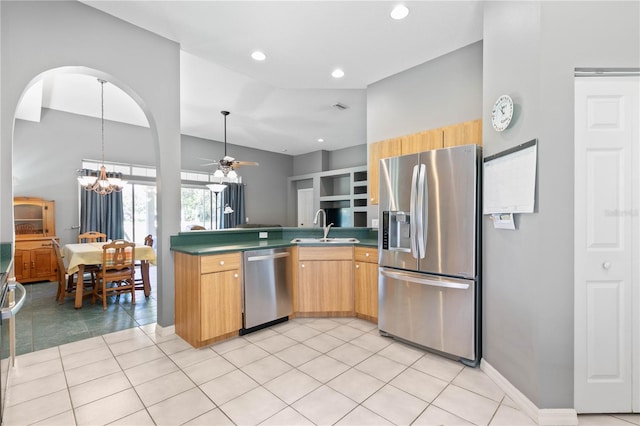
26 265
235 275
357 266
366 254
302 265
33 264
221 262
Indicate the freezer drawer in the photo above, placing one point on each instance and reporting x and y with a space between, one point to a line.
431 311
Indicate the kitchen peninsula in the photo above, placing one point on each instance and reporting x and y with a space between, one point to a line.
328 279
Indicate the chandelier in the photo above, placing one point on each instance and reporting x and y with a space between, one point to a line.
100 181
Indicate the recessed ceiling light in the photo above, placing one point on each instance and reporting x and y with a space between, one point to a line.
399 12
337 73
258 55
320 140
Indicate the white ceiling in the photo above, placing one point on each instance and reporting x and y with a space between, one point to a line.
285 103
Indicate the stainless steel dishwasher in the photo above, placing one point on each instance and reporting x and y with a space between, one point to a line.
267 289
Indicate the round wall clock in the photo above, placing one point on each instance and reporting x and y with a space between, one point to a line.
502 113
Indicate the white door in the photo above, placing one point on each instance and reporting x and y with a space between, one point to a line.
607 242
305 207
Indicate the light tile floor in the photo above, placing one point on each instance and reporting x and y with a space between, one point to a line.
305 371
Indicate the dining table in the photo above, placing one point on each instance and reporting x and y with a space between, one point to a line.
78 255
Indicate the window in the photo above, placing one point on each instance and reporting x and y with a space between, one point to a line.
139 203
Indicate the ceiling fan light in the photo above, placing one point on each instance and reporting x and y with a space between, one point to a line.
216 187
218 173
258 55
399 12
232 174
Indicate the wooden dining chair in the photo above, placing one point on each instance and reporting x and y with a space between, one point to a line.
148 241
92 237
118 269
66 281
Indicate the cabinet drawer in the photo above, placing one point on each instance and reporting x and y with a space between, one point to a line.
35 244
219 262
365 254
325 253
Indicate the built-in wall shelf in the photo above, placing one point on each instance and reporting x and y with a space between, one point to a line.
341 193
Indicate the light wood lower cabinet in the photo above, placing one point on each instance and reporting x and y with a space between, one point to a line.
365 278
208 297
325 281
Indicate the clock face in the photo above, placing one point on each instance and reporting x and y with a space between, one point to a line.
502 113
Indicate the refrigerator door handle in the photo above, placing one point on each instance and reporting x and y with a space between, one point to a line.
422 206
412 278
413 214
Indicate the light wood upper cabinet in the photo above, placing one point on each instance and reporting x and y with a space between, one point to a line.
377 151
423 141
469 132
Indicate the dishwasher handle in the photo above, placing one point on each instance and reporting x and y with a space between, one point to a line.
267 256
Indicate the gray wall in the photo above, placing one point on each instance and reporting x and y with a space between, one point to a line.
47 155
41 36
348 157
528 274
446 90
55 148
265 190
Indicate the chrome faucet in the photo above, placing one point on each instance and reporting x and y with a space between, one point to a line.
325 227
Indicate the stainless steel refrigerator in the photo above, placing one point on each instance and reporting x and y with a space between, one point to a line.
429 250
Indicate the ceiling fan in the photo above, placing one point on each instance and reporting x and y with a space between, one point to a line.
227 165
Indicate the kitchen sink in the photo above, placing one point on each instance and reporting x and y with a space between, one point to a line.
325 240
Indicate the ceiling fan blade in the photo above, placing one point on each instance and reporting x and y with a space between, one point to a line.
209 164
245 163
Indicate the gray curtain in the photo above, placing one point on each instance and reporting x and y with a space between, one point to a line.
233 195
102 213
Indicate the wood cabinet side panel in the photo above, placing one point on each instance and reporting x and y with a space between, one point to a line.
377 151
187 297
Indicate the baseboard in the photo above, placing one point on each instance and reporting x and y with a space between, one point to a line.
542 416
165 331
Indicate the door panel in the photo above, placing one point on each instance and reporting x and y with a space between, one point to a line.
451 223
606 235
396 176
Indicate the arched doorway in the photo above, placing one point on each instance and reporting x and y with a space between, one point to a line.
47 152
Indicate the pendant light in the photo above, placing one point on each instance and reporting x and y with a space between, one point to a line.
100 181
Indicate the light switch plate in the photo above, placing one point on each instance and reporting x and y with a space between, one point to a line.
374 223
263 235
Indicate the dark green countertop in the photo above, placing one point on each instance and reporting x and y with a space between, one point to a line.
212 242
